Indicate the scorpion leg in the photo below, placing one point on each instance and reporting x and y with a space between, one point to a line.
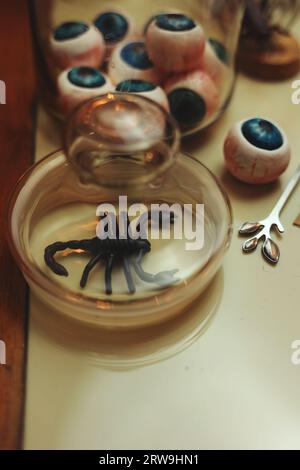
91 264
128 275
51 250
146 277
163 278
108 273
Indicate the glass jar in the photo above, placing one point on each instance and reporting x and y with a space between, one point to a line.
85 226
185 51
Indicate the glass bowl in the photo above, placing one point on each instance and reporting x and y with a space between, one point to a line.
44 204
156 275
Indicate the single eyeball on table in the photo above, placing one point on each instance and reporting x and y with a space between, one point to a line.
76 43
79 84
175 42
130 60
257 151
215 60
147 89
114 27
193 97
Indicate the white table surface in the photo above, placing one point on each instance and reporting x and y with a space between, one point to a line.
235 387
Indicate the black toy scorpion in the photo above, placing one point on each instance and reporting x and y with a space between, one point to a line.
129 251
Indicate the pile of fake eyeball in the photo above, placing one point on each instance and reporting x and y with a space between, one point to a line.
171 63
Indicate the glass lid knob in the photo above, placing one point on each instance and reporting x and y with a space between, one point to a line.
121 139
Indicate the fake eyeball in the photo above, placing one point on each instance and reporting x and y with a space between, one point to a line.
256 151
130 60
114 27
192 97
76 43
175 42
79 84
215 60
154 17
147 89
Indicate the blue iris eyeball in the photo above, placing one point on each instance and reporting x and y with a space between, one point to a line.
174 22
186 106
135 55
135 86
78 84
113 26
220 50
130 60
175 42
144 88
151 19
86 77
75 43
70 30
192 97
262 134
256 151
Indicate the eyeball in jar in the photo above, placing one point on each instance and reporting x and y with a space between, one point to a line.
130 60
79 84
193 97
76 43
256 151
175 42
147 89
115 26
162 12
215 60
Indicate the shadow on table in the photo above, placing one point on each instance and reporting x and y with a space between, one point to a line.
134 348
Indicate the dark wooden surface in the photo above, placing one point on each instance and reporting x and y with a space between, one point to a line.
16 154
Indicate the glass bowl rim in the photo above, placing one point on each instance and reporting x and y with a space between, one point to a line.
65 295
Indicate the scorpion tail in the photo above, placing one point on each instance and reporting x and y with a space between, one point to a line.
49 254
